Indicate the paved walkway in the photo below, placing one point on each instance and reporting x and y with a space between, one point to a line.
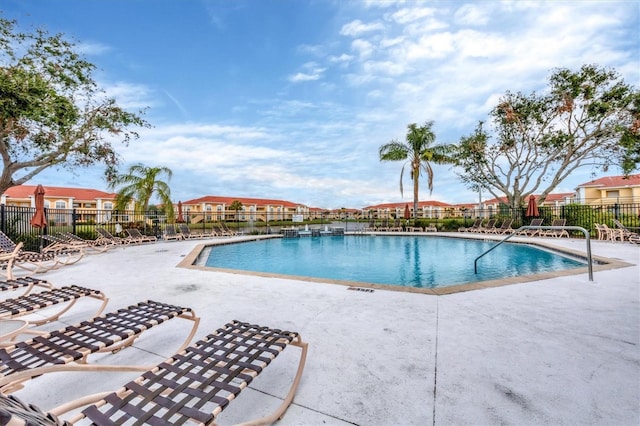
555 351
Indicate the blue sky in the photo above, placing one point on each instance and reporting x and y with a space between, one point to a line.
291 99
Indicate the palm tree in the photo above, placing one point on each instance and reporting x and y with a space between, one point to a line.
236 205
419 153
140 184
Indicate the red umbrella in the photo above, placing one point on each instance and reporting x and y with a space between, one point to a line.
407 213
39 220
532 208
180 219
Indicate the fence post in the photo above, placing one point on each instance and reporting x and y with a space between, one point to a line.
3 218
73 221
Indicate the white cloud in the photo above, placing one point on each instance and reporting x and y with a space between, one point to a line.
95 49
408 15
357 28
471 14
362 47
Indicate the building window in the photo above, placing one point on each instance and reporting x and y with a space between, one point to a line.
108 206
61 205
613 194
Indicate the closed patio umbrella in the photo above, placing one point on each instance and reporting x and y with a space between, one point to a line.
39 219
532 208
180 218
407 213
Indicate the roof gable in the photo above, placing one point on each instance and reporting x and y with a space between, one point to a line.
613 182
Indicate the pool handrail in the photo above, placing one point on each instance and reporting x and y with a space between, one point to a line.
570 228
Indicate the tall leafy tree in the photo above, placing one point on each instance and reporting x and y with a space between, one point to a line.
587 117
51 111
139 184
418 152
236 205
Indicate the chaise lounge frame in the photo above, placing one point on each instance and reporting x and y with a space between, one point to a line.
194 385
26 283
31 303
68 349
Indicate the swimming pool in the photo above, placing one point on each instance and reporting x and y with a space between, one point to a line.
404 261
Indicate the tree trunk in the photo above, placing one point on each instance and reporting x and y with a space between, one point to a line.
415 195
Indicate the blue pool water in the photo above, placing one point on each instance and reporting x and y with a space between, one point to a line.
422 262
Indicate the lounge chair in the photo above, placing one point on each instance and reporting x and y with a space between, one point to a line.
603 231
533 232
186 233
28 304
556 233
480 227
26 283
12 254
193 386
170 233
220 232
64 241
99 245
625 233
105 237
228 230
136 237
371 227
63 249
505 228
68 349
476 225
488 227
384 225
396 227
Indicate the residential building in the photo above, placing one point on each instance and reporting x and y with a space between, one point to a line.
88 204
426 210
610 190
215 208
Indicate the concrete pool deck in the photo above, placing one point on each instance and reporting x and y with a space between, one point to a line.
555 351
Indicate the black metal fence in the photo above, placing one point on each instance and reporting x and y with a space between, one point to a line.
15 221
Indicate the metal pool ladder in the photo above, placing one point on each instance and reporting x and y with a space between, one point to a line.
570 228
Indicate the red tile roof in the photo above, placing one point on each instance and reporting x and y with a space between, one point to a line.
214 199
82 194
613 181
401 205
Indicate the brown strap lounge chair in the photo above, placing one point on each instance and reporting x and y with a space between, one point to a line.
26 283
533 232
12 254
136 236
488 228
25 305
98 245
228 230
186 233
556 233
625 233
67 253
68 349
106 237
194 386
472 228
505 228
170 233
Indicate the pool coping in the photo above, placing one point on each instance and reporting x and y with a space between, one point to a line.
599 264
